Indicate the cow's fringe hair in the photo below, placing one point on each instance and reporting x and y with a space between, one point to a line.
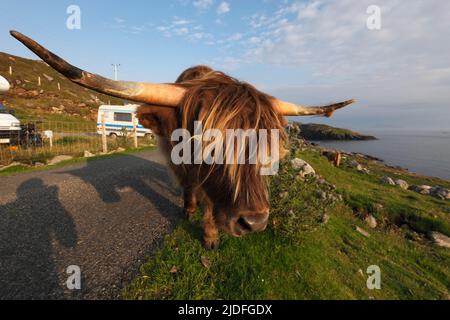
221 102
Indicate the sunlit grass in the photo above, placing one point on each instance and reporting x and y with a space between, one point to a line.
299 257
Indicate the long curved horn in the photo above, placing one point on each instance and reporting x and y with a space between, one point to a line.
168 95
291 109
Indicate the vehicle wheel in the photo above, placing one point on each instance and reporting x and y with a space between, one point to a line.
113 136
149 136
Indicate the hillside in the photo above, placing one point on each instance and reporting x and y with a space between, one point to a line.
46 102
312 131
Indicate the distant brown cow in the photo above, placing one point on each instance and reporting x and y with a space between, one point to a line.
334 156
234 196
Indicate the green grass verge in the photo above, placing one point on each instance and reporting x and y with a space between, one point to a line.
76 160
324 265
363 192
300 257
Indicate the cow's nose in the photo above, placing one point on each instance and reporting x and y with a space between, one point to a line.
253 222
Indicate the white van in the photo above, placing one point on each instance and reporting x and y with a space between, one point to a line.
119 119
4 85
9 126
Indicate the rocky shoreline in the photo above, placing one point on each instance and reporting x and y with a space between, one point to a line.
434 191
367 166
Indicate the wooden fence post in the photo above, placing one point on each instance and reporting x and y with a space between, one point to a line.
104 141
135 137
39 81
51 142
48 135
59 86
10 70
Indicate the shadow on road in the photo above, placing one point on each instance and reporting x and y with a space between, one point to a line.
148 178
30 225
27 228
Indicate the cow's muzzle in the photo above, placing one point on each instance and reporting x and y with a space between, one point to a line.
250 222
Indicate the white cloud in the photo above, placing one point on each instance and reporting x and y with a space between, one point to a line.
223 8
122 25
180 21
197 36
137 29
203 4
406 61
311 10
162 28
235 37
187 30
181 31
226 63
254 40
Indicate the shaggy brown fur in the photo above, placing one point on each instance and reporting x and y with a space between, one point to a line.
229 192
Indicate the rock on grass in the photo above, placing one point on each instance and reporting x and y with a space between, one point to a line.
425 190
388 180
363 232
303 167
88 154
440 239
402 184
371 221
440 193
59 159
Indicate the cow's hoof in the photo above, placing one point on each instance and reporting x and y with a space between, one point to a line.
211 244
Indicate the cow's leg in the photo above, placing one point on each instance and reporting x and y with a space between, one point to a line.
190 202
210 230
338 159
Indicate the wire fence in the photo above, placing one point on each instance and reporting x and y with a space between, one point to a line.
40 141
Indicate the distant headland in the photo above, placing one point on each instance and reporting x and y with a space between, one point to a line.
312 131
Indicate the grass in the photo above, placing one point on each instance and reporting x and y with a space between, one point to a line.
26 112
300 257
362 192
324 265
65 143
23 169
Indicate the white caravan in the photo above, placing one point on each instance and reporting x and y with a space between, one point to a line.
9 125
4 85
118 120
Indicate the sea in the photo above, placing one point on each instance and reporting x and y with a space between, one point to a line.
423 152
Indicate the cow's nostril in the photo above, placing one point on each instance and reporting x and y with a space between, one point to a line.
244 224
253 223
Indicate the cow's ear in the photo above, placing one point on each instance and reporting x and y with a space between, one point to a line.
161 120
149 119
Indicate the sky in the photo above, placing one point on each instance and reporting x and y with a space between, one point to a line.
304 51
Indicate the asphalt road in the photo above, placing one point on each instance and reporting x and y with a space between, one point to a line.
105 216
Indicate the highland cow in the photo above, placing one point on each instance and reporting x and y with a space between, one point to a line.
333 156
234 196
